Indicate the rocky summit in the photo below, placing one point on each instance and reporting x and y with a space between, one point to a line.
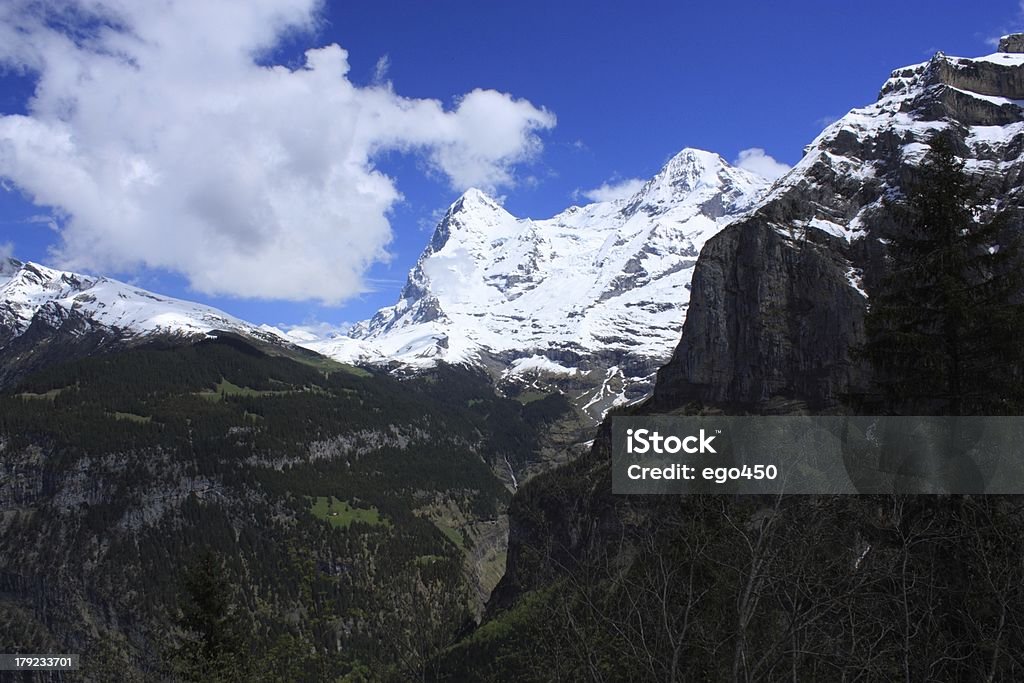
1012 43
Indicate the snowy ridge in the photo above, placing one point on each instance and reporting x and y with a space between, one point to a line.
28 290
545 295
913 104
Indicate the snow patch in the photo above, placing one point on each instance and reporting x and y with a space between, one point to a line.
537 365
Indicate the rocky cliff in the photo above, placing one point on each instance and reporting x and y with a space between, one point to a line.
777 298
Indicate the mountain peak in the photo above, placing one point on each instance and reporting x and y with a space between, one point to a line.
474 198
476 216
695 177
692 168
696 157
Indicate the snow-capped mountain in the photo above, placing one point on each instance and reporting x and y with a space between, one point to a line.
50 316
599 289
593 299
980 99
34 294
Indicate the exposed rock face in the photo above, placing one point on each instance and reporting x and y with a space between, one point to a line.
777 302
772 318
54 335
777 298
1013 43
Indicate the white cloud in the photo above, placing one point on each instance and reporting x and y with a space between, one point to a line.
49 220
6 250
608 192
380 71
164 143
756 161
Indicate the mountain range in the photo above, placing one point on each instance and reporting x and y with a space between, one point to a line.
592 301
582 296
577 301
360 518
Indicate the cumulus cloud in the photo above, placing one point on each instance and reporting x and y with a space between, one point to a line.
163 139
757 161
608 192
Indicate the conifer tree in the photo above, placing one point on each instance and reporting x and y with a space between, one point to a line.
215 647
944 330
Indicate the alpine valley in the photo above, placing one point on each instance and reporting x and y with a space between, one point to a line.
188 496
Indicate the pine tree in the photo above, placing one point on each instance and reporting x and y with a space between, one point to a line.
215 646
945 328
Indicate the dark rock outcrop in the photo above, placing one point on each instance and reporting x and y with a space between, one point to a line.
771 316
1012 43
778 299
55 335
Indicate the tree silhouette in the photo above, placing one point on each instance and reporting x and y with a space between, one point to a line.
944 327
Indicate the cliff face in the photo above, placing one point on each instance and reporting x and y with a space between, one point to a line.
777 298
771 320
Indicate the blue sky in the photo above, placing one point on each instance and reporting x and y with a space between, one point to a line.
182 115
